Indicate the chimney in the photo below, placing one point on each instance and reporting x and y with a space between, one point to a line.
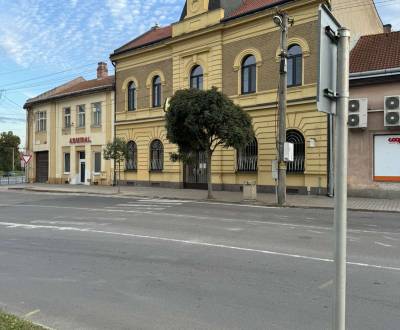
387 28
102 71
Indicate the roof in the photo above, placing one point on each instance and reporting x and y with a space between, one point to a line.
376 52
233 9
74 87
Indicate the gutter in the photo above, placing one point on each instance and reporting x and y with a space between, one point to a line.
375 73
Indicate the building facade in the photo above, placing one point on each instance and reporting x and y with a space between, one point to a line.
374 137
67 129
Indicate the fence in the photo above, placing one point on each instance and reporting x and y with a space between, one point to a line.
12 180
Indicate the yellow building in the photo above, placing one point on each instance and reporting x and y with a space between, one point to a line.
233 45
67 129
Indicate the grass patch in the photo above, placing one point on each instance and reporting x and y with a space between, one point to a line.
10 322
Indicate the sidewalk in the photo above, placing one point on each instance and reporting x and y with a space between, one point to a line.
359 204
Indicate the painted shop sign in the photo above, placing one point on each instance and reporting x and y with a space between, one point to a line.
394 140
387 158
80 140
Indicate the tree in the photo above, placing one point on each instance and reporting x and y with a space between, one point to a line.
9 144
203 120
118 152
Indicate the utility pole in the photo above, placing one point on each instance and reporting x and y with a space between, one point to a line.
340 214
282 20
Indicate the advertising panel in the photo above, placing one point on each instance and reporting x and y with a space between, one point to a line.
387 158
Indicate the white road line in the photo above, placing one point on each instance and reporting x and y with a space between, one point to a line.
205 218
382 244
390 238
142 208
315 231
325 285
195 243
32 313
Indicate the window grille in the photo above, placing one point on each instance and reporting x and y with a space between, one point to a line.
247 157
156 156
196 77
295 137
131 161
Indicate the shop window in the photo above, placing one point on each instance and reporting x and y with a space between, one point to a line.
196 77
295 137
156 156
131 161
67 162
67 117
131 96
249 75
41 121
97 162
247 157
156 91
294 66
96 114
81 116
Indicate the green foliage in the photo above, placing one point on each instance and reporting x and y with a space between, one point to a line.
116 150
8 142
203 120
10 322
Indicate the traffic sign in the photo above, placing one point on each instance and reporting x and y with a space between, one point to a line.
26 158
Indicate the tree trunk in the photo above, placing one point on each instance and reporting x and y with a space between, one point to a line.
119 176
209 176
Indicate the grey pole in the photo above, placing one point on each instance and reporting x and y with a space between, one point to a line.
340 213
282 111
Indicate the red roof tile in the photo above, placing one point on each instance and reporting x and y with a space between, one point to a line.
376 52
250 5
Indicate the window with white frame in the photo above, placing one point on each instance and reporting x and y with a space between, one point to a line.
67 162
41 121
96 114
97 162
81 116
67 117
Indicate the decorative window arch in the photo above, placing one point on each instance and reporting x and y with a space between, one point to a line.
132 96
131 161
196 77
247 157
156 92
249 74
156 156
295 66
295 137
252 55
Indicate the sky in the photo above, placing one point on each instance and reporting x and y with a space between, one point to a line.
45 43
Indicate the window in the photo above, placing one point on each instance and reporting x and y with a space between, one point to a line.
249 75
247 157
97 162
196 77
67 162
96 114
295 66
67 117
131 161
131 96
156 156
295 137
81 116
156 91
41 121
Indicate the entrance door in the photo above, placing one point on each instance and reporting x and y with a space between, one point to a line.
42 166
82 167
196 172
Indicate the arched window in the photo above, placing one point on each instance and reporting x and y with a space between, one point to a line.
249 74
156 156
196 77
156 91
131 161
295 137
131 96
294 66
247 157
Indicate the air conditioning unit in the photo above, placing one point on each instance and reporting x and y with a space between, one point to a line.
358 113
392 111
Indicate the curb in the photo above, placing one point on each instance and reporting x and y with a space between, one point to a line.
216 201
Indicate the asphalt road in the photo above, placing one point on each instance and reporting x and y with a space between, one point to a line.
90 262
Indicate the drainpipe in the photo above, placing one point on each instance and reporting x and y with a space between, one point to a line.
115 118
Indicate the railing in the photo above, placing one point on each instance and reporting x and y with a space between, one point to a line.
8 180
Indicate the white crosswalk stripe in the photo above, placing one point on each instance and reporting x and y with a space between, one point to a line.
148 204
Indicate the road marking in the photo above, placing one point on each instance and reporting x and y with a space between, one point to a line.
382 244
325 285
32 313
315 231
390 238
195 243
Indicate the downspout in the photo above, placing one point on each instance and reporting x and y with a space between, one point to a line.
115 118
